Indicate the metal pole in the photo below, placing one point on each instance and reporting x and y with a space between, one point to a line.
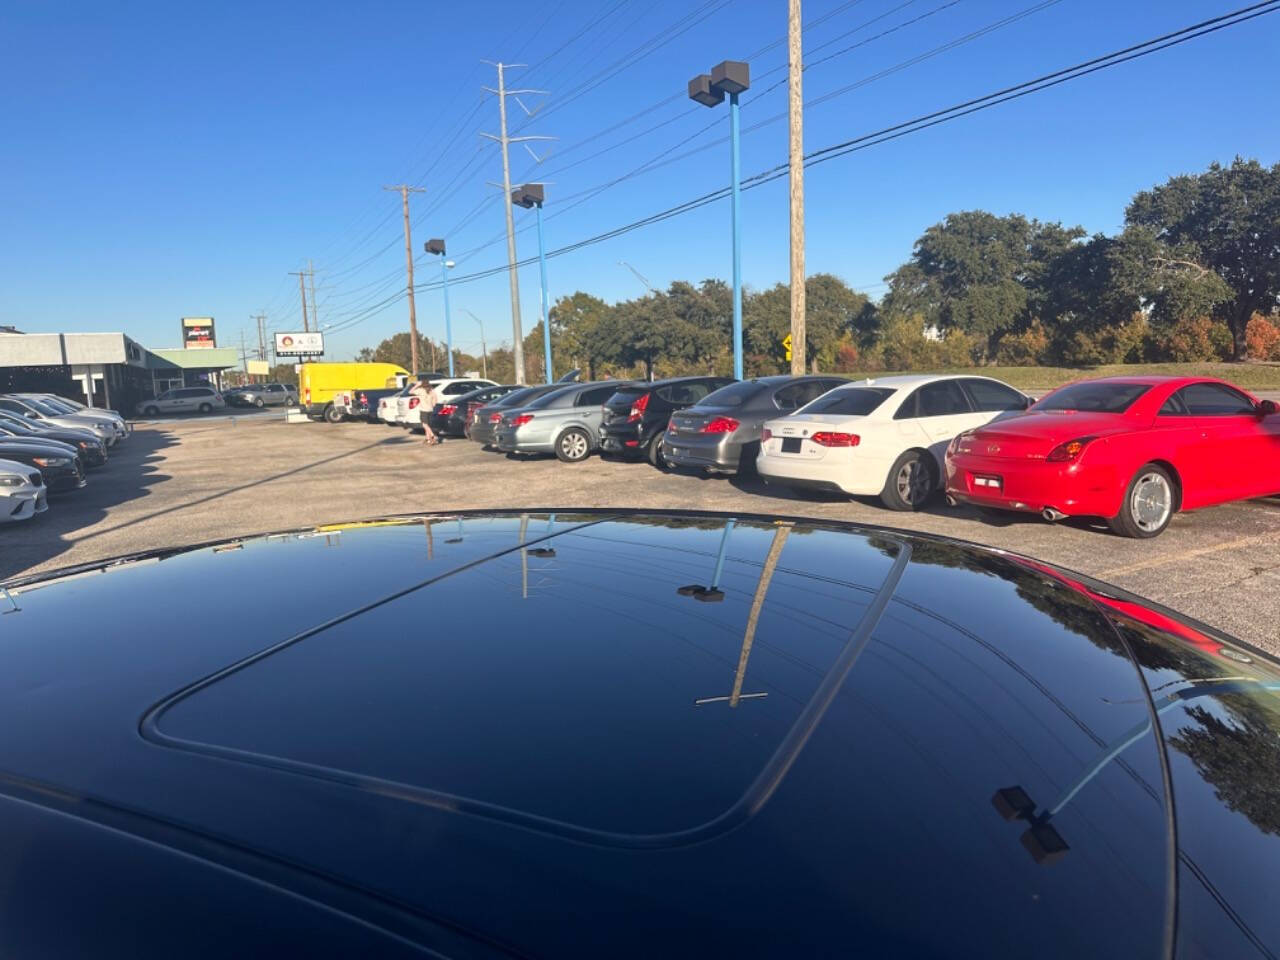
517 332
724 542
737 237
546 322
795 109
315 316
448 326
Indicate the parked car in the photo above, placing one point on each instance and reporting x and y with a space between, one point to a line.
22 492
43 414
77 409
450 417
565 422
407 412
721 432
60 463
636 416
389 406
1132 450
483 428
884 437
183 400
263 395
91 448
880 744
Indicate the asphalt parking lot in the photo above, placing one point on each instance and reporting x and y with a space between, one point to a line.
184 481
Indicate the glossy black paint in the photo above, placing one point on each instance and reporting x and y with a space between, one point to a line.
69 476
92 451
533 735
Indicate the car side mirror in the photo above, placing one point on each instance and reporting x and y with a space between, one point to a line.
1027 402
1267 407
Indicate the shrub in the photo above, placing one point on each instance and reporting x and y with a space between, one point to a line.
1197 338
1025 349
1262 338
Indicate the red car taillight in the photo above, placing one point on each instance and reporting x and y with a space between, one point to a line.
364 399
638 408
521 420
413 402
829 439
766 435
495 418
448 409
1066 452
721 425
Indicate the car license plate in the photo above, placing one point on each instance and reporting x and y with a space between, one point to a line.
991 483
791 444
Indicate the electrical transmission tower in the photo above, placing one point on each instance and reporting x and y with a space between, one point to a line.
505 141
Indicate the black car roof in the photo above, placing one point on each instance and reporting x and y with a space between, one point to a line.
828 752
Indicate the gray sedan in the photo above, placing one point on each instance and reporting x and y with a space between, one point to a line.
565 422
44 414
721 432
485 420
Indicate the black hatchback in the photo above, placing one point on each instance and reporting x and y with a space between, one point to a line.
635 418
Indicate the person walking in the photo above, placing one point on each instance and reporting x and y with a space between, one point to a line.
426 403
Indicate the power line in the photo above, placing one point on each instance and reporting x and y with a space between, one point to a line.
923 122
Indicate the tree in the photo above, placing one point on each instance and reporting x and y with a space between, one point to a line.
833 312
1225 222
1262 337
979 273
576 319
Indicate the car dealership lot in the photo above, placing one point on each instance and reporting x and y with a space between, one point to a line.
183 481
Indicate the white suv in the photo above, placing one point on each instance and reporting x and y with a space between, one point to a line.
407 412
183 400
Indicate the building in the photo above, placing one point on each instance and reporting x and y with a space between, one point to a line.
108 370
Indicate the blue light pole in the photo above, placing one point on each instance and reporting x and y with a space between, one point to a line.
437 246
533 195
731 77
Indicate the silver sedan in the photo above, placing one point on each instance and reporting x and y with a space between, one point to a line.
565 422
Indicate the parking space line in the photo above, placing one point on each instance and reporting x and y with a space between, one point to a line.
1182 555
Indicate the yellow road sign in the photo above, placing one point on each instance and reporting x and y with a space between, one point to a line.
786 345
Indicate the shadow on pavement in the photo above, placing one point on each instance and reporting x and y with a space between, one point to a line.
129 474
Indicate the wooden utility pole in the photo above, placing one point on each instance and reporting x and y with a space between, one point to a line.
405 190
302 290
315 317
795 105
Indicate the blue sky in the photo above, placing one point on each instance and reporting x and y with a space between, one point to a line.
158 161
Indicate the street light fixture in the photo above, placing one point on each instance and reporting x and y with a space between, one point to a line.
436 246
730 77
533 195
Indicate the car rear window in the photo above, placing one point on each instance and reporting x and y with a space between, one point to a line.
626 396
849 401
734 395
1094 397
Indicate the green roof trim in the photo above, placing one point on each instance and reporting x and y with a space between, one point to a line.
215 358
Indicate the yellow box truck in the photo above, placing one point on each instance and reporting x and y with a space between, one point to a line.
318 382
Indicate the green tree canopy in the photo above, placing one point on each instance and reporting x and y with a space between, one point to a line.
1225 222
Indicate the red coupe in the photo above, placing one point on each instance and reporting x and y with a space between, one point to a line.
1134 450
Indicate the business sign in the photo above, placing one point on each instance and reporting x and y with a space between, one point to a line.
197 333
257 368
299 344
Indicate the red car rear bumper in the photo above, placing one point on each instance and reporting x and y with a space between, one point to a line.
1070 488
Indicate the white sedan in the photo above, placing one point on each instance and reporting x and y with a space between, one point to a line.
22 492
884 437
